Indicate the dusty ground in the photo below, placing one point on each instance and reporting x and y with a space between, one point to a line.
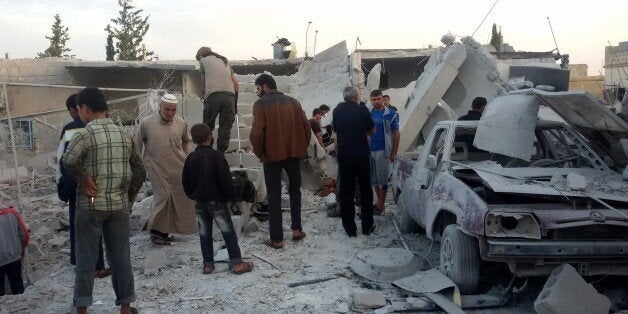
180 286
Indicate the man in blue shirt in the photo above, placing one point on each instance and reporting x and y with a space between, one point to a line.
384 144
352 124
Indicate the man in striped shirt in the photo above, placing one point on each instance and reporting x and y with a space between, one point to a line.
101 158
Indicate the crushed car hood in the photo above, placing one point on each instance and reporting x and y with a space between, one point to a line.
605 185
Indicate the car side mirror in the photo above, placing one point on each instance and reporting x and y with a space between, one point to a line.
432 162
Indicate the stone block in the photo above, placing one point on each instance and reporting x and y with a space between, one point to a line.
369 300
247 98
59 241
566 292
244 132
576 182
7 175
154 261
245 108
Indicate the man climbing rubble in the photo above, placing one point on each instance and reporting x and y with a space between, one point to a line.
220 93
163 142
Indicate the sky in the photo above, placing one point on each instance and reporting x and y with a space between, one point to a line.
243 29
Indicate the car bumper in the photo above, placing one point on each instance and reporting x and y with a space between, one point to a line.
534 258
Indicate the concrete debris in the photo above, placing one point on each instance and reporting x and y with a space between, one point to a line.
7 175
154 261
566 292
59 241
385 264
372 80
250 227
322 79
576 182
507 126
369 300
176 260
342 308
140 213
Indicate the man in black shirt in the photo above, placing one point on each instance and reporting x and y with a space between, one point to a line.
477 108
352 124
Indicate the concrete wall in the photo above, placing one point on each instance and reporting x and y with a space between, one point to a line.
40 71
580 80
615 67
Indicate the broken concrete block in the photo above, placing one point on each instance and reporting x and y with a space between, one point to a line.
576 182
154 261
176 261
251 226
58 241
7 175
342 308
140 213
369 300
566 292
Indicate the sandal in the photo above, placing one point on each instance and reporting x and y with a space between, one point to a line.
298 236
208 269
244 267
102 273
158 240
274 245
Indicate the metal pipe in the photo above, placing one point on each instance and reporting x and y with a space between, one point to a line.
12 136
315 35
306 32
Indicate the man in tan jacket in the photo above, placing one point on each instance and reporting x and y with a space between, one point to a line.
279 136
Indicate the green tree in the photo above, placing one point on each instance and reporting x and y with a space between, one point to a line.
57 41
111 52
496 37
128 30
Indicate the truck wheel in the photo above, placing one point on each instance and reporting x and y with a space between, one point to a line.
406 224
460 259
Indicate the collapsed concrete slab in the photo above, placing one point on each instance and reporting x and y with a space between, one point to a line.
372 80
566 292
385 264
322 79
452 78
507 126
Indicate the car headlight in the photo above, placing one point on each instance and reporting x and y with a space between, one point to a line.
511 225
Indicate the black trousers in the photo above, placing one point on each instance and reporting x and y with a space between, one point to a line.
272 176
348 170
14 272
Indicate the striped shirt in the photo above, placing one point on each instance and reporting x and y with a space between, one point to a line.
105 152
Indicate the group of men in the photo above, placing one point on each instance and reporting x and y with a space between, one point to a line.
103 169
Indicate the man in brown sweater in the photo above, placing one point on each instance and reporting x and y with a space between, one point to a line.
279 136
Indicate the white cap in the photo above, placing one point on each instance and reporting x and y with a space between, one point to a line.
169 98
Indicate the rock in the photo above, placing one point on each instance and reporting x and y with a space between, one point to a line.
271 273
58 241
154 261
369 300
576 182
383 310
221 256
342 308
176 260
566 292
140 213
250 227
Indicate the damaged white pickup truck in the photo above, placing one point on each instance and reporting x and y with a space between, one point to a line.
515 189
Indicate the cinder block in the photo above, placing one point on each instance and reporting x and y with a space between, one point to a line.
566 292
247 98
245 108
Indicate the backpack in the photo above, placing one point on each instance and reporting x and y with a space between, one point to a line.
244 188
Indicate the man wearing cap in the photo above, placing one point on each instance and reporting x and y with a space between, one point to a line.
164 143
219 86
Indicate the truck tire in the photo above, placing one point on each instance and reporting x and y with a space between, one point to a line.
406 224
460 259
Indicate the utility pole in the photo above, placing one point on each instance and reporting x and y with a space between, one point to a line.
315 35
306 32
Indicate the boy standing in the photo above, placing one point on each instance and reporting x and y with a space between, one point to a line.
13 240
207 180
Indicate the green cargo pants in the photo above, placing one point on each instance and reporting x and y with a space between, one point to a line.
223 104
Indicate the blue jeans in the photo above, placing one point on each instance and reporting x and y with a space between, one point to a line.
208 212
100 264
91 226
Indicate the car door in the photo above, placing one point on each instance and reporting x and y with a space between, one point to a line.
416 191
